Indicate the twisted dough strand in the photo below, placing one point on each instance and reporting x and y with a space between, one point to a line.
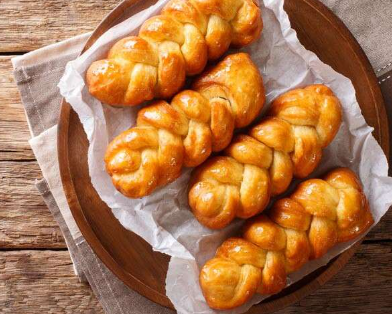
289 142
184 133
170 46
317 216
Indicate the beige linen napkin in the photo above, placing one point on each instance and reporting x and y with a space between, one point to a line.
37 74
371 23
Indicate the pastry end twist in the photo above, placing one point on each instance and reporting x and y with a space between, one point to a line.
184 133
302 227
287 143
176 43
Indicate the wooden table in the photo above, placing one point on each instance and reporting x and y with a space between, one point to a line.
36 274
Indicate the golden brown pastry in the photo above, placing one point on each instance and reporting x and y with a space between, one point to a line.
287 143
317 216
184 133
176 43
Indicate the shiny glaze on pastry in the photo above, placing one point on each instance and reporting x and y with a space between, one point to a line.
287 143
176 43
197 122
316 217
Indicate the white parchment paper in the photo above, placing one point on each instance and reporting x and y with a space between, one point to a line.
163 219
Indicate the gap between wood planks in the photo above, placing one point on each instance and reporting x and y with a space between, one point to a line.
5 249
12 53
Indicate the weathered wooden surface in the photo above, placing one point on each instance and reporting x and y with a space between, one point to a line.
30 24
14 132
42 280
25 221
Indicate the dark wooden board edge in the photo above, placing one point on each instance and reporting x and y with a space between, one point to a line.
382 133
274 303
84 226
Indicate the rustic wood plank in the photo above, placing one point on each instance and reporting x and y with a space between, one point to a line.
14 132
30 24
25 221
42 282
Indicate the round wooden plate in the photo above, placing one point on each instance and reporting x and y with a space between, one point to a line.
130 257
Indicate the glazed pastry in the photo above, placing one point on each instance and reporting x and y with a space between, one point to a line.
184 133
317 216
287 143
176 43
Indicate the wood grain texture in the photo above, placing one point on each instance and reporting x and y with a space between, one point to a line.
30 24
25 221
14 132
42 282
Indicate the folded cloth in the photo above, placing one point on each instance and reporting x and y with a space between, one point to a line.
371 24
37 74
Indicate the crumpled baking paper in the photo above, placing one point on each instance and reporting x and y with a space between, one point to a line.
163 219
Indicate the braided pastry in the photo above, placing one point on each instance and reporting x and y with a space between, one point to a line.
170 46
184 133
287 143
317 216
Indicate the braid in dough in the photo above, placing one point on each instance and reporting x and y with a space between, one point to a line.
176 43
316 217
184 133
289 142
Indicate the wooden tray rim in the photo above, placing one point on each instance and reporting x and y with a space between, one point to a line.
134 283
